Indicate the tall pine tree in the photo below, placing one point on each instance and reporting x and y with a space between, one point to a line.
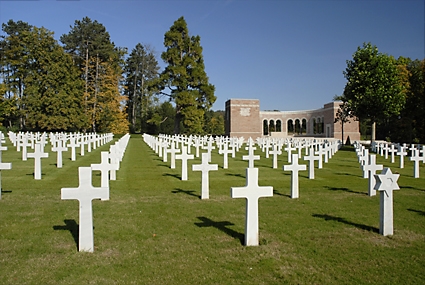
185 78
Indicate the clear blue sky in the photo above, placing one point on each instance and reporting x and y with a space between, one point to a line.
289 54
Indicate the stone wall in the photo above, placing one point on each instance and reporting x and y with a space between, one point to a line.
243 118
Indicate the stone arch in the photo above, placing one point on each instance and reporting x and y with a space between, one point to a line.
265 127
272 127
304 126
278 126
290 126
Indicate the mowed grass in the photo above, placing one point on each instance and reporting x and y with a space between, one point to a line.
155 229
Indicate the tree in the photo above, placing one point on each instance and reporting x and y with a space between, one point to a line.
342 115
141 68
185 78
90 46
373 89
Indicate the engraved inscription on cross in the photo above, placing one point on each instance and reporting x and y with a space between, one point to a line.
252 192
85 193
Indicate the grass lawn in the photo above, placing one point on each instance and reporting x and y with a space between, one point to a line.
155 229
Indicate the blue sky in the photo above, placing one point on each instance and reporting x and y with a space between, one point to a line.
289 54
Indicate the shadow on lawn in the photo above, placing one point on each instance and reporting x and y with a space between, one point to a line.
188 192
280 194
72 227
417 211
410 187
236 175
344 189
172 175
344 221
222 226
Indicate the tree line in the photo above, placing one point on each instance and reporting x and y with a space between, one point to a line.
86 83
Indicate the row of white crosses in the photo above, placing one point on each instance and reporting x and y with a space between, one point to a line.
417 153
3 165
386 183
85 193
37 141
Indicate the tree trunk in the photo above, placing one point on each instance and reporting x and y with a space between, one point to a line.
373 132
95 94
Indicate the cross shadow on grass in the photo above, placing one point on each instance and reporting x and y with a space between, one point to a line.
188 192
172 175
344 189
5 191
280 194
72 227
410 187
417 211
345 221
236 175
222 226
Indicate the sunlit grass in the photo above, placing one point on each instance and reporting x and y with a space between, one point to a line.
156 230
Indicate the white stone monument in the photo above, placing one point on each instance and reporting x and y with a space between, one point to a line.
205 168
3 165
85 193
252 192
184 158
104 167
386 182
59 148
371 168
416 159
275 152
38 154
295 168
250 157
311 158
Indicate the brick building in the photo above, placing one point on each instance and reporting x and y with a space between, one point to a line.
244 118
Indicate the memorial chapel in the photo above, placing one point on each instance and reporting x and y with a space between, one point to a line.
244 119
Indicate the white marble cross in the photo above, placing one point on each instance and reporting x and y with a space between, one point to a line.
402 153
59 148
250 157
104 167
38 154
73 144
205 168
386 182
197 144
85 193
225 151
24 144
252 192
289 149
184 158
392 150
364 160
275 152
416 159
311 158
371 168
209 147
320 152
295 168
173 152
3 165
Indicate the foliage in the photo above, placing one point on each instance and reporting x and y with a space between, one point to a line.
374 88
185 78
214 122
42 82
141 68
161 119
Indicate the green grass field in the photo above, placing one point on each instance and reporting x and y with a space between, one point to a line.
155 229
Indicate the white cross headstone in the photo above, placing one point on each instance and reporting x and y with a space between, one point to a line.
295 168
205 168
252 192
250 157
173 152
275 152
104 167
392 150
73 144
184 158
225 151
289 149
311 158
85 193
3 165
209 147
386 182
402 153
38 154
371 168
320 152
59 148
416 159
364 160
